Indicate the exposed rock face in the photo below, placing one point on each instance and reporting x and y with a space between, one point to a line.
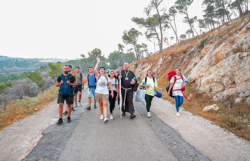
211 107
218 63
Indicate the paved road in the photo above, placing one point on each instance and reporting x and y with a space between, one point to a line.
88 138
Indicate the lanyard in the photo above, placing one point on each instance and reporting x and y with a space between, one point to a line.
126 73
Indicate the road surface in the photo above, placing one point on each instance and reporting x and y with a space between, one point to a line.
88 138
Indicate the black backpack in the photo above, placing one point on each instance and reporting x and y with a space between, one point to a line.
167 89
147 79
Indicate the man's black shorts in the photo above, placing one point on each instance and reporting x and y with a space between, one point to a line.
78 89
69 99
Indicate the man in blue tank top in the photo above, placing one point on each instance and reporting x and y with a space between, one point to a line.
91 79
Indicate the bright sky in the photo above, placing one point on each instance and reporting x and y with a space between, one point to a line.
66 29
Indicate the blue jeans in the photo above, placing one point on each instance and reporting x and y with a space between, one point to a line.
179 102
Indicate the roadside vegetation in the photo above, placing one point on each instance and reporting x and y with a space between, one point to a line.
14 110
234 117
22 97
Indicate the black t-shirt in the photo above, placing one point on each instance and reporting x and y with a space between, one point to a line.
72 78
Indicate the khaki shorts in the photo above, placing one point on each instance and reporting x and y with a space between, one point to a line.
101 97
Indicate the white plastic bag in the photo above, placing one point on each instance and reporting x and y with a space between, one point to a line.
140 95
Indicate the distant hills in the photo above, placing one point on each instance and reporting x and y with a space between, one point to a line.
11 65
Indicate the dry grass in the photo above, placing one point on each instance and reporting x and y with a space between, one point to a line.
238 49
235 120
18 109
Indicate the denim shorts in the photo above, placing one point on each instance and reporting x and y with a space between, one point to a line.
91 92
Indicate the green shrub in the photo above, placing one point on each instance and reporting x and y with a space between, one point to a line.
37 78
56 70
3 86
203 42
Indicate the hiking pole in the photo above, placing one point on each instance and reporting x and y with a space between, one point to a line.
120 93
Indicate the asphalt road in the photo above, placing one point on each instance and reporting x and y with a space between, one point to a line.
88 138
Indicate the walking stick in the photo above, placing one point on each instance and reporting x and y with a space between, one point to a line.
120 93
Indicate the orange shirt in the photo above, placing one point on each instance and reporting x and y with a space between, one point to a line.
74 75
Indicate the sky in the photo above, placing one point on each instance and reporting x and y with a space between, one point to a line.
65 29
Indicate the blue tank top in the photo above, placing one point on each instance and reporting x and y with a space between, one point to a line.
92 81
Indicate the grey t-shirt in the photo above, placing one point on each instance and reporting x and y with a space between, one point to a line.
79 81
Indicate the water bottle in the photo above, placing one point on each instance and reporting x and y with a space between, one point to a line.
132 80
143 83
185 81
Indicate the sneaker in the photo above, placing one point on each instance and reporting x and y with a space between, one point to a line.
132 116
149 115
95 106
60 121
75 105
80 104
101 117
88 108
73 109
123 114
68 119
106 120
178 114
65 113
111 117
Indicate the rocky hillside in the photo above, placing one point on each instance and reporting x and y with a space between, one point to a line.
216 62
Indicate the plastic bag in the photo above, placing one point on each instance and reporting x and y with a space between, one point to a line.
140 95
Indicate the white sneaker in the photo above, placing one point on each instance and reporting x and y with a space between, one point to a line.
106 120
149 115
111 117
101 117
80 104
75 105
178 114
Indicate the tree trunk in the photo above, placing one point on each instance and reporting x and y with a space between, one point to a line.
195 30
161 39
223 19
136 52
247 4
189 23
239 7
158 38
223 5
212 21
176 34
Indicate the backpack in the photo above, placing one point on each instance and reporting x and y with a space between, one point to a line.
88 80
66 89
170 75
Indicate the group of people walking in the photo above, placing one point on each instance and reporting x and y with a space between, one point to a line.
107 89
